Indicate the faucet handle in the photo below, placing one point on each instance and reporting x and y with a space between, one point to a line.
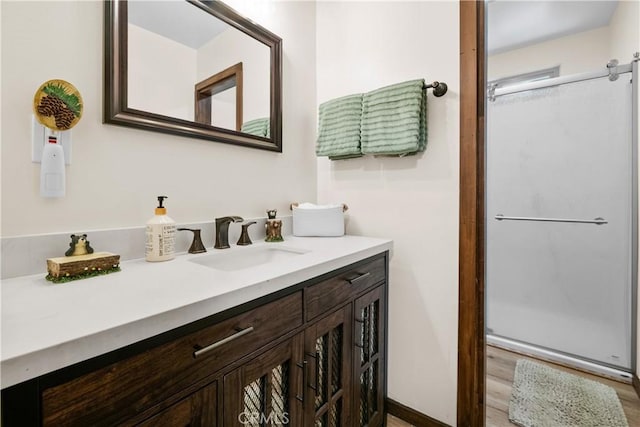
244 235
196 246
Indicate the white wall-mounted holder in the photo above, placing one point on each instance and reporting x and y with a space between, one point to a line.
57 107
52 173
53 150
40 136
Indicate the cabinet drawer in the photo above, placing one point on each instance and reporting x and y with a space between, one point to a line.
339 289
197 409
115 393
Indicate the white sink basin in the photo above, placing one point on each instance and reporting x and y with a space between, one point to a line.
243 258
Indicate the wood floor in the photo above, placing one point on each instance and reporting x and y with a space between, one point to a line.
396 422
500 367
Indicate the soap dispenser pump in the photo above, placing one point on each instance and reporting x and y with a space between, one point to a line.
160 235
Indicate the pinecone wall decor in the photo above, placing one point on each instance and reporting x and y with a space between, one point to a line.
58 105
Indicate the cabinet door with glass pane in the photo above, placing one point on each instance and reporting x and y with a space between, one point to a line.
369 358
267 391
328 355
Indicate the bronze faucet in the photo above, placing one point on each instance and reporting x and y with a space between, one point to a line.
222 231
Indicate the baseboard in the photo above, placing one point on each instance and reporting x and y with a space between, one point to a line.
411 416
635 381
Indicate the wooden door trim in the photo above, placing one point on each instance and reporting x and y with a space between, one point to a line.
471 340
219 82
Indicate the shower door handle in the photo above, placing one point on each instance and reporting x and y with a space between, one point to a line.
597 221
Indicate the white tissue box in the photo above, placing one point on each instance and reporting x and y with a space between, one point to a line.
318 221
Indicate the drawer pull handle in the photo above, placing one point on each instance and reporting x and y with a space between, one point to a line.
359 278
315 356
302 366
317 372
222 342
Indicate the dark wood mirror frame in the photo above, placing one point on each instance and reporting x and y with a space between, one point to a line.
116 110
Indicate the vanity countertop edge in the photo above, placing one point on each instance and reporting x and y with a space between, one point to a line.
46 327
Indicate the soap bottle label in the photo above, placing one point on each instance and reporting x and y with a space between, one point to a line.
160 241
167 240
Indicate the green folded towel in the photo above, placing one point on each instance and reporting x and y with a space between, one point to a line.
394 119
258 127
339 128
346 156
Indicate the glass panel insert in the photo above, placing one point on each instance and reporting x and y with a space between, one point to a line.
280 395
321 421
562 152
364 406
335 418
336 359
254 402
364 334
373 388
322 361
375 312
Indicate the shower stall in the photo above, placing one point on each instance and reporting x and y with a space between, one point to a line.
561 219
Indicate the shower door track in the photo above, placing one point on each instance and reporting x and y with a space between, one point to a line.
556 81
542 353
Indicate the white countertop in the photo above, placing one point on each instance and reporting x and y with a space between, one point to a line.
48 326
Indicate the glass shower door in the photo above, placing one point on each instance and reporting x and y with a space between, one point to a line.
553 154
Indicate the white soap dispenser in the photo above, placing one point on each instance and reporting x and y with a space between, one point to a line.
160 235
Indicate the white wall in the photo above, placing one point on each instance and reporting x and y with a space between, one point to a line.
577 53
157 84
223 109
229 48
624 31
117 172
362 46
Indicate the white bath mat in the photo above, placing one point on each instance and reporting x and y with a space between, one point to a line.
546 397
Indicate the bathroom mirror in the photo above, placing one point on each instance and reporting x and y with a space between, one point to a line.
193 68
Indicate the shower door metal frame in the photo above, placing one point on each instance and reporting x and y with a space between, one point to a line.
634 213
580 362
557 81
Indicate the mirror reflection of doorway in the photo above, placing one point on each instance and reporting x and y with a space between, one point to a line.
561 196
218 99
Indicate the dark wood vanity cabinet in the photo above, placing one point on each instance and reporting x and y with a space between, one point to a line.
313 354
369 360
328 351
265 390
197 409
